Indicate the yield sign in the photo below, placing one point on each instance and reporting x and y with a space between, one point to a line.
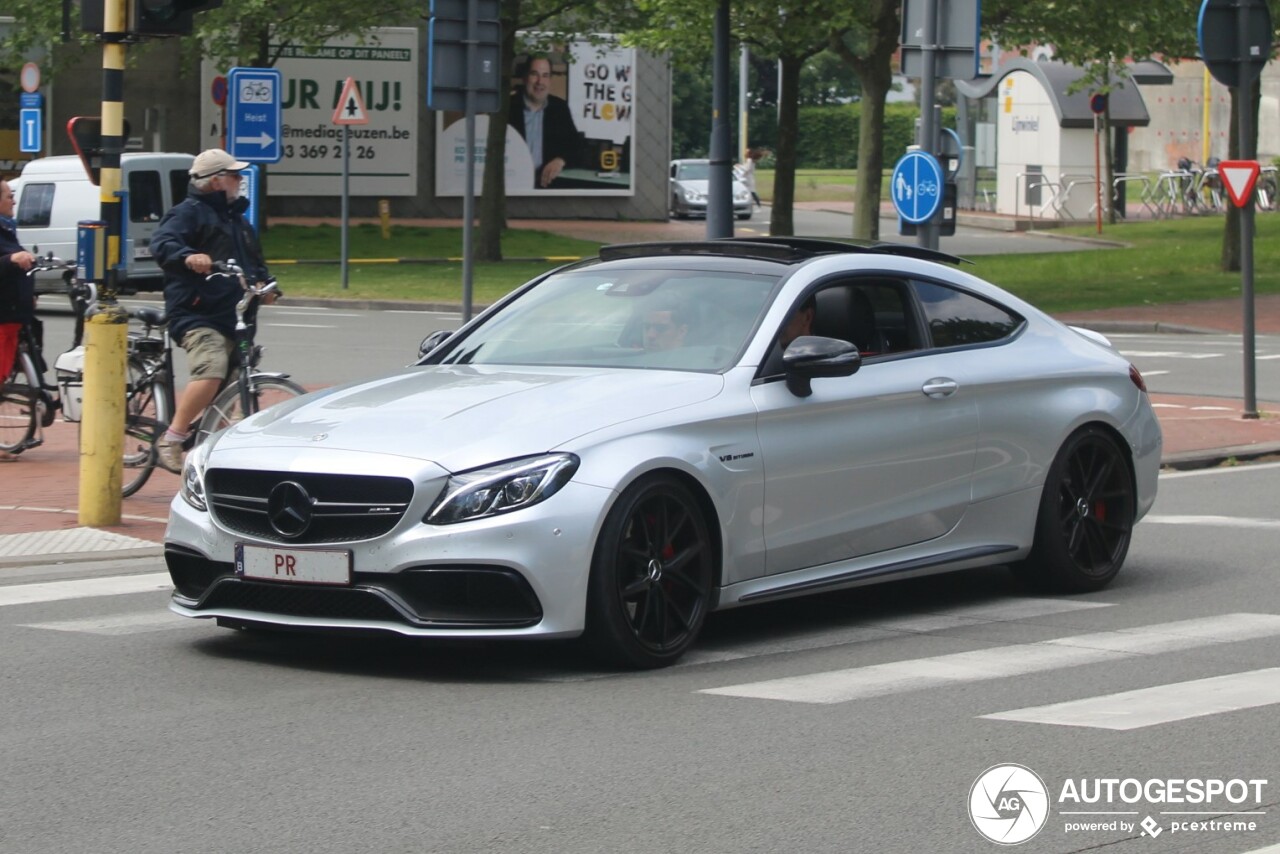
1239 176
350 109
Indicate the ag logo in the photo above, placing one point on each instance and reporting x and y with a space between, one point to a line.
1008 804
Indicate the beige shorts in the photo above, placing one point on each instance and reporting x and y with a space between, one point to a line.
208 353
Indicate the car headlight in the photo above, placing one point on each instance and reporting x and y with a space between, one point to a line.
693 195
501 488
192 489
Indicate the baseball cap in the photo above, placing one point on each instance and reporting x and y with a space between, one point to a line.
215 160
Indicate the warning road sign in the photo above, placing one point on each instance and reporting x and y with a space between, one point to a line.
1239 176
350 109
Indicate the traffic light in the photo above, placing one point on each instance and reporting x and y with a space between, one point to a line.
167 17
148 17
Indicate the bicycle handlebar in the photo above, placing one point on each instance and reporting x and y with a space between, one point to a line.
50 262
231 268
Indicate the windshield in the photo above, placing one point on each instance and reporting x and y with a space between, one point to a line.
693 172
666 319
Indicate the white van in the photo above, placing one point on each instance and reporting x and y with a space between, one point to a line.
54 194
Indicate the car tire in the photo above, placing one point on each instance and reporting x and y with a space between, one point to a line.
744 216
651 576
1086 516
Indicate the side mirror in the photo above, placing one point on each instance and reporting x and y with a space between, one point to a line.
811 356
432 341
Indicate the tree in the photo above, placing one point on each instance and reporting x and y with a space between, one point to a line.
867 48
790 34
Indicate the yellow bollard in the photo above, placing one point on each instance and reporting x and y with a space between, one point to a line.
102 427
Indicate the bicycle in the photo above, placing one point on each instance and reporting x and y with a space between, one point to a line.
150 392
28 404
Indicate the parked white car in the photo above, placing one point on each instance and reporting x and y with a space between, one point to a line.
690 183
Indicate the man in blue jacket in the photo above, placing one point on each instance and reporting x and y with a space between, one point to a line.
205 227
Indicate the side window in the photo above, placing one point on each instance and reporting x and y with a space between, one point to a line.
872 314
146 204
178 181
35 208
956 318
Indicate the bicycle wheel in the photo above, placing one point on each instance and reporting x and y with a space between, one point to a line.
146 412
18 410
227 410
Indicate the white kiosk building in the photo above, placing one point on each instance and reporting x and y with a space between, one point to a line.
1035 137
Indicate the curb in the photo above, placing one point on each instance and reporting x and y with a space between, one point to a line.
81 557
1139 326
1190 460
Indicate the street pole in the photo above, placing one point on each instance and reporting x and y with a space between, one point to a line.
743 70
346 199
720 186
1248 151
927 234
469 195
106 330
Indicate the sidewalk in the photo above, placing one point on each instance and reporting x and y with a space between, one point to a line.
39 498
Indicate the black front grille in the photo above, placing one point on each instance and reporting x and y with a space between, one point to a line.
344 507
445 597
332 603
192 572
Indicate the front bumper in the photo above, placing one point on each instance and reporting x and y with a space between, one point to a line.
520 574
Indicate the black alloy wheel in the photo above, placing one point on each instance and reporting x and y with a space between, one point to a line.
651 577
1086 516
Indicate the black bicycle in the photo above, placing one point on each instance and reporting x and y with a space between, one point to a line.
150 393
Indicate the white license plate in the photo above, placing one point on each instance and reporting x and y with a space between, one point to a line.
300 566
142 253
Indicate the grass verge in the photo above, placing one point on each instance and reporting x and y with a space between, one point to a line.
1165 261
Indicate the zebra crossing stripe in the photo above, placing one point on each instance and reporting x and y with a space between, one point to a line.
878 680
1159 705
82 588
1216 521
120 624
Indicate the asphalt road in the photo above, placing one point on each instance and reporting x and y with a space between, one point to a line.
127 729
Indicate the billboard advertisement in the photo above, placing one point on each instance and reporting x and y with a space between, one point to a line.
569 126
384 152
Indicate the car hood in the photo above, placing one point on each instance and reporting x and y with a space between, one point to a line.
461 417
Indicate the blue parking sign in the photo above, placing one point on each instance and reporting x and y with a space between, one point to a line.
916 187
31 129
254 114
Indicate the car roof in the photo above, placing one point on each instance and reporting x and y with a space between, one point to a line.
783 250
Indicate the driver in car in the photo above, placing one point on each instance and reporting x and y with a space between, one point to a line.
665 326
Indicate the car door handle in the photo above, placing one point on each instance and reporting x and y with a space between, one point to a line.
939 387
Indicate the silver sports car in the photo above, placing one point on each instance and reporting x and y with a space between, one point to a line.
624 445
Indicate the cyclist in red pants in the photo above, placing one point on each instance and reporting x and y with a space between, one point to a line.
17 290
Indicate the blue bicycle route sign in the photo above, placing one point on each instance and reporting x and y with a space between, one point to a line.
916 187
254 114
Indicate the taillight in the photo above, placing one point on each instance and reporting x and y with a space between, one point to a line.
1136 378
